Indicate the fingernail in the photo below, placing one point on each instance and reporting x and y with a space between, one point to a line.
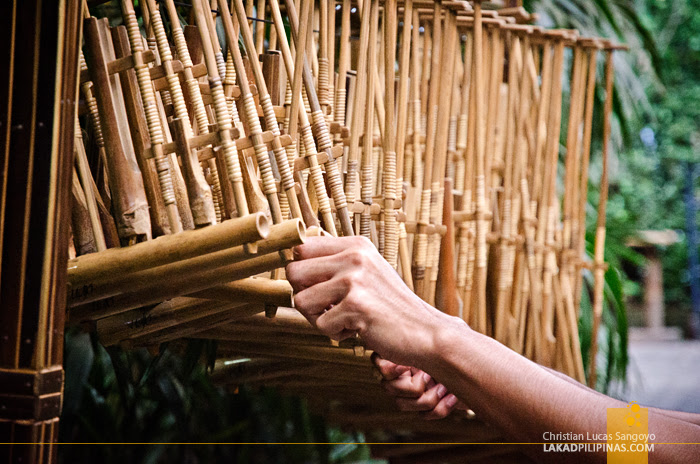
441 390
426 377
296 253
450 401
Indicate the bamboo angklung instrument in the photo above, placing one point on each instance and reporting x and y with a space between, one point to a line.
223 116
320 130
154 125
468 124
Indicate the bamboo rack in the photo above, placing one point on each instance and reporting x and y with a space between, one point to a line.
443 131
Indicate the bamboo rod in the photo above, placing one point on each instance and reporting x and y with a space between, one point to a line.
599 252
223 117
251 114
320 130
283 166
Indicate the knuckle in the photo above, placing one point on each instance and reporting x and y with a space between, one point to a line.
356 256
300 301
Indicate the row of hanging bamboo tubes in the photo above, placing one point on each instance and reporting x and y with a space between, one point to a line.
433 128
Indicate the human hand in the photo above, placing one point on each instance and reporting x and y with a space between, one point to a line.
343 286
416 390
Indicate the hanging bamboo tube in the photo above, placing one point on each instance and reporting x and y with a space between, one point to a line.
294 75
83 171
366 170
331 28
358 101
339 107
223 117
198 108
402 112
420 243
198 191
320 129
389 184
593 48
283 166
442 121
128 197
154 127
251 115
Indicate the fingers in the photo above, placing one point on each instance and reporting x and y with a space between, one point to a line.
442 409
426 402
314 300
336 321
315 247
407 386
304 274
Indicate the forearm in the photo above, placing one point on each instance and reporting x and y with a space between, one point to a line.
523 399
683 416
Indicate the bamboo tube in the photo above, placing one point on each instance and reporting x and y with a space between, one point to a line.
198 191
283 166
544 230
251 290
128 196
284 235
360 98
587 132
480 190
176 286
223 117
343 63
81 227
259 27
391 228
367 144
193 327
447 61
599 252
103 266
572 161
294 74
169 315
83 171
413 171
420 243
324 72
401 128
154 127
320 129
251 114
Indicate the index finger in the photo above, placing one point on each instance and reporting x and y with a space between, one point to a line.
315 247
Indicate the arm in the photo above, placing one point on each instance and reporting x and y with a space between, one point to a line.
343 286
